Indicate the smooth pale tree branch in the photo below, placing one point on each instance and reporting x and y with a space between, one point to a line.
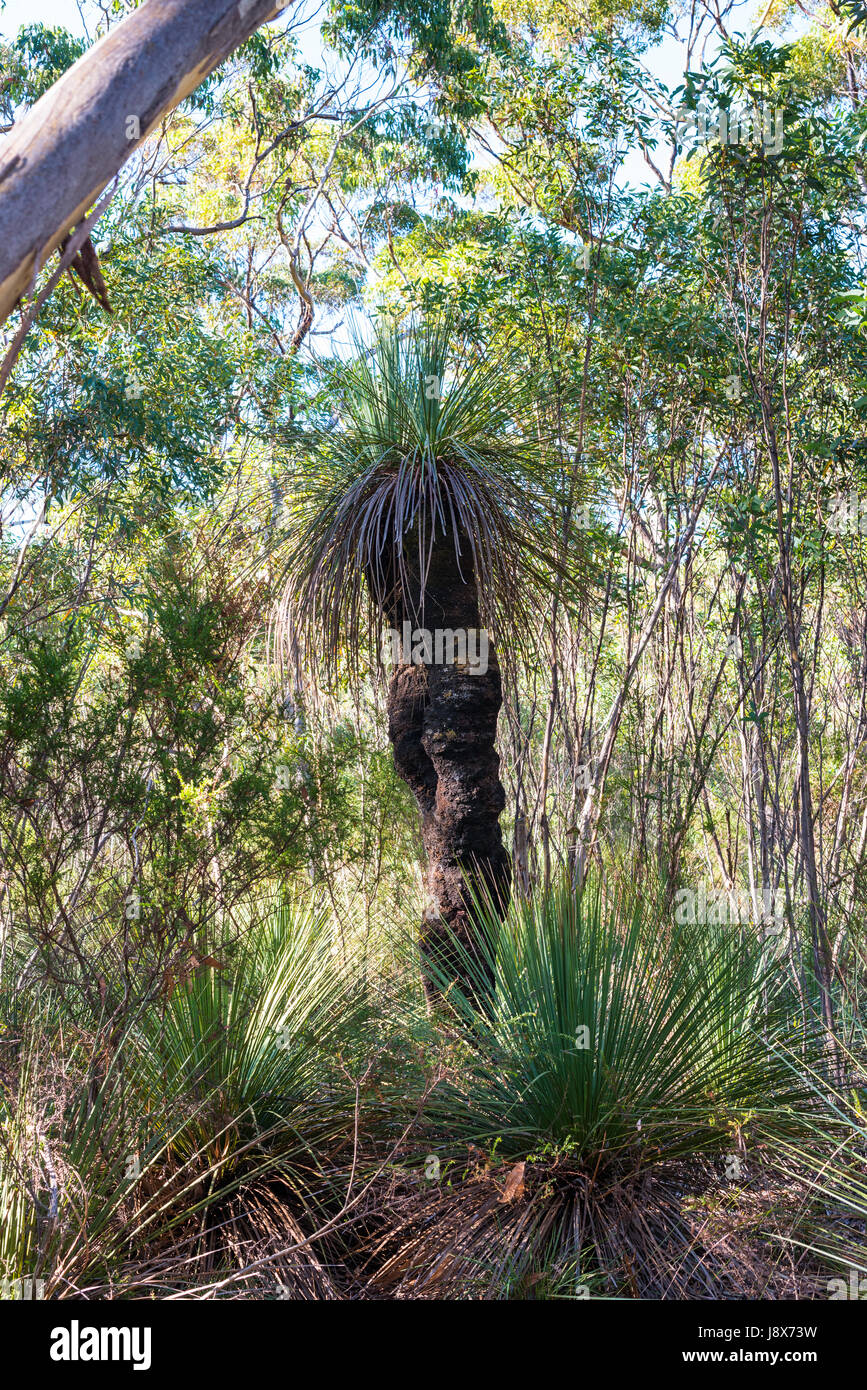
57 160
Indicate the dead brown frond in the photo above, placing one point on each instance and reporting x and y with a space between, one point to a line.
553 1231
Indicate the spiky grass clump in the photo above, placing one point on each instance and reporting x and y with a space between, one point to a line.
206 1138
611 1036
616 1065
432 440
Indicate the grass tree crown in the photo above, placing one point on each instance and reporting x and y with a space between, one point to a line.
431 446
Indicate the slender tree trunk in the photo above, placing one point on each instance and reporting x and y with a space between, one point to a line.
821 947
590 811
442 719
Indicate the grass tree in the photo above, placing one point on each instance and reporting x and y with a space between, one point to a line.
421 512
628 1081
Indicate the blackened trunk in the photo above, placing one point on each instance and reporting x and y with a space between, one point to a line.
442 725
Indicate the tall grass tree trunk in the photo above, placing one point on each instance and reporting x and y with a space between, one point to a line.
422 506
442 723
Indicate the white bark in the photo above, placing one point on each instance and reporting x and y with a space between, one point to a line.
57 160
